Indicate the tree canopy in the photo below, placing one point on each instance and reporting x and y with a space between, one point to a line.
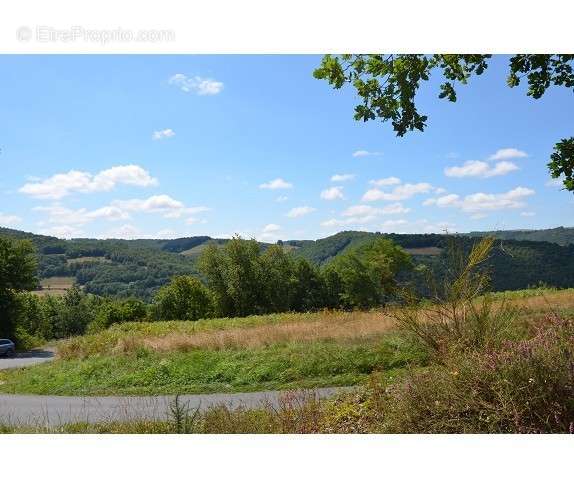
17 272
388 84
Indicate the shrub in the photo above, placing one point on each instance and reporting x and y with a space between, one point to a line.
458 316
117 311
525 386
185 298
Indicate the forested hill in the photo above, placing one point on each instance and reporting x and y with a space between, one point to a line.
559 235
138 268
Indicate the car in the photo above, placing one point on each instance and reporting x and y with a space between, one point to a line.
7 348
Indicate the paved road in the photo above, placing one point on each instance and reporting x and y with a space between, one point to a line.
57 410
28 358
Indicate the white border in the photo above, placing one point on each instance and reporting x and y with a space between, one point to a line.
299 26
287 461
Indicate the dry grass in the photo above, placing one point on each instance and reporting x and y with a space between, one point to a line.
424 251
334 326
56 285
89 259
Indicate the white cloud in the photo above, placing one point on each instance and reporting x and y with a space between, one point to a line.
163 204
368 210
63 184
300 212
57 214
390 181
480 169
127 231
527 214
6 220
402 192
484 202
364 214
162 134
271 228
344 177
276 184
196 84
281 199
362 153
333 193
507 153
269 233
62 231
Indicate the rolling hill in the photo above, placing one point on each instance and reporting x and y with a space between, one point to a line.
122 268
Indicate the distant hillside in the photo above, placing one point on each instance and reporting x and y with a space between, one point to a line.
139 267
560 235
130 268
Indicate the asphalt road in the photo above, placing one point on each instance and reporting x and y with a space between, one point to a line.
28 358
56 410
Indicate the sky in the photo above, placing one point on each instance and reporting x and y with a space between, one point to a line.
137 146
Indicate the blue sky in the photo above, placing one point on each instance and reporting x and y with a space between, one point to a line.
171 146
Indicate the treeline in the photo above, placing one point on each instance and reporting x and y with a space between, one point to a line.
239 279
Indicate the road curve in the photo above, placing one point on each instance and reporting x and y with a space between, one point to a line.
57 410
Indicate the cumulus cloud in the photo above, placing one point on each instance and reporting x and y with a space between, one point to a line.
401 192
162 134
164 204
6 219
484 202
390 181
300 212
344 177
368 210
63 184
62 231
270 232
281 199
196 84
57 214
362 153
276 184
333 193
507 153
363 214
480 169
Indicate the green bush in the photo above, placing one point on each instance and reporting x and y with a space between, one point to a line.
185 298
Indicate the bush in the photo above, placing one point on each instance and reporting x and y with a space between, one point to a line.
525 386
458 316
185 298
117 311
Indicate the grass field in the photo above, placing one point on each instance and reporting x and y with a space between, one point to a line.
89 259
280 351
56 285
424 251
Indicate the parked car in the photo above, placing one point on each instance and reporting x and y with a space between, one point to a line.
7 347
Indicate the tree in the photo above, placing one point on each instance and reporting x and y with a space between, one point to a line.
18 266
367 273
278 279
309 288
388 84
185 298
235 275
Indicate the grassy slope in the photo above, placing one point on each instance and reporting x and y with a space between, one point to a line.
312 350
